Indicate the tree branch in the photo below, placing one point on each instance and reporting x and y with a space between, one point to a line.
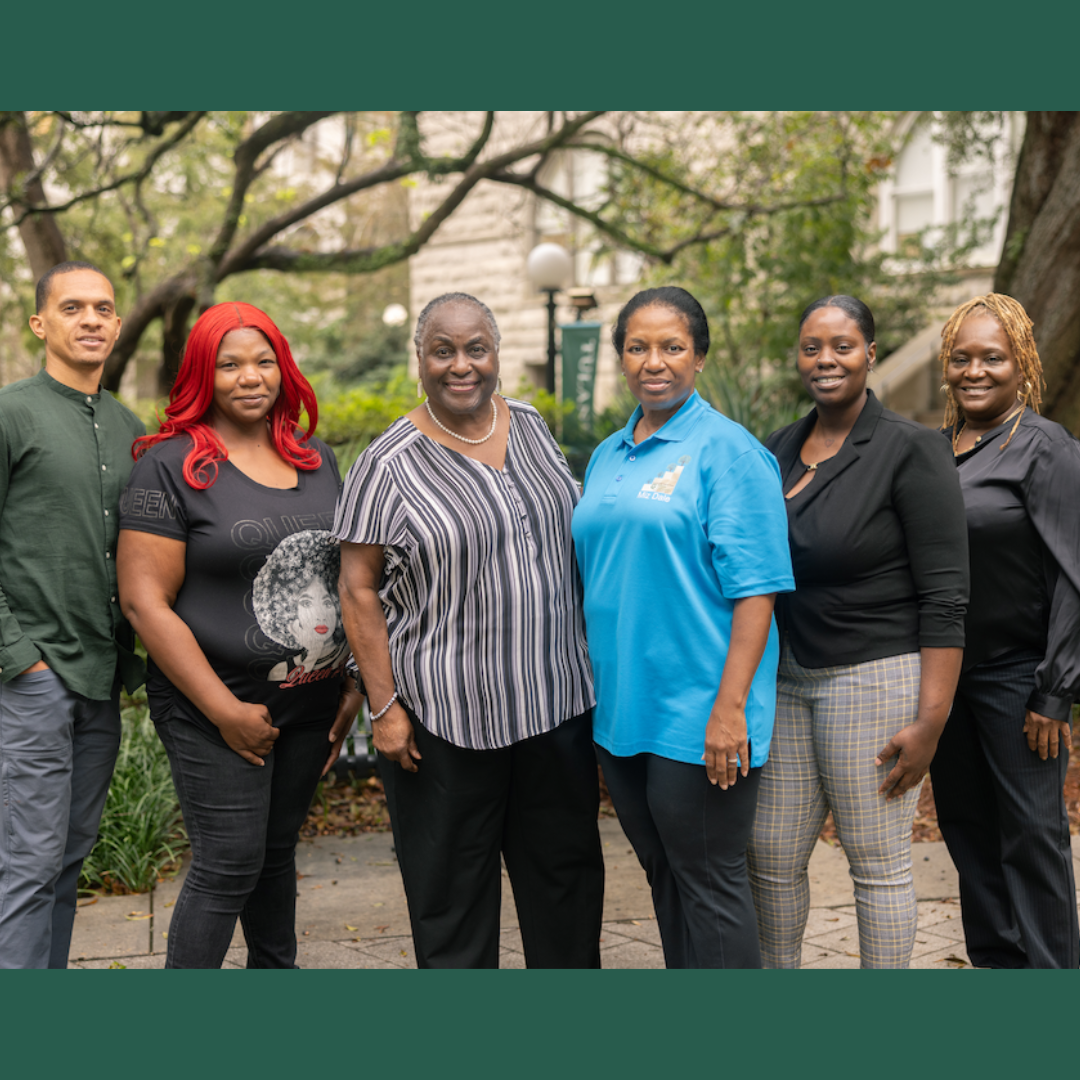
253 256
137 176
277 128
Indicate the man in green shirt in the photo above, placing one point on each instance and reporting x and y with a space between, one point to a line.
65 455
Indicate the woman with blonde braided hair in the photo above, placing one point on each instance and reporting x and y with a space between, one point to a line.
1000 764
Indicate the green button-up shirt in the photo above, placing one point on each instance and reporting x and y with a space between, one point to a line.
65 457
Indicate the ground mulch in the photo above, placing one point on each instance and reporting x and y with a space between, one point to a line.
352 807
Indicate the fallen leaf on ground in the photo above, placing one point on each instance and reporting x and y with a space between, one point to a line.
353 929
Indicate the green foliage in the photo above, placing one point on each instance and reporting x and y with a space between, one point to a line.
814 173
578 440
141 830
350 419
142 235
367 355
761 401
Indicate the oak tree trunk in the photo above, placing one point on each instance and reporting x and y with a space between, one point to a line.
39 232
1040 263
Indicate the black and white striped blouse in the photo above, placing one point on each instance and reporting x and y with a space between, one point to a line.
480 587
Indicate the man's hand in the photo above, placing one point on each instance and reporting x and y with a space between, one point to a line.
249 731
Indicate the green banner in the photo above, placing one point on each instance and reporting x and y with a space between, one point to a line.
580 348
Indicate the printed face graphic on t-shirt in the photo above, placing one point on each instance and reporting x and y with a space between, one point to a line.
316 618
294 597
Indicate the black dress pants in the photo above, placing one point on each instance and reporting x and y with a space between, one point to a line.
1002 813
535 803
690 838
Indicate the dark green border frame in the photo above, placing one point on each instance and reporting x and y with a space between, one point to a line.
649 1024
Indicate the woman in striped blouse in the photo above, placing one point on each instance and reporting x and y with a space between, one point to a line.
462 604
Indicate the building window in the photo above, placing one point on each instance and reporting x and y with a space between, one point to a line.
924 197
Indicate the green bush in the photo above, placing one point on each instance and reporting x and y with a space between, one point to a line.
141 829
578 440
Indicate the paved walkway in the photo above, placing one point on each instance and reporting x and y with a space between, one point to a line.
351 912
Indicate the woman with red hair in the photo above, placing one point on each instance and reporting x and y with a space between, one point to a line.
229 575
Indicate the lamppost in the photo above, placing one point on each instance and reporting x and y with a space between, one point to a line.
550 268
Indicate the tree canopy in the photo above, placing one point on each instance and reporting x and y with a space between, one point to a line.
757 210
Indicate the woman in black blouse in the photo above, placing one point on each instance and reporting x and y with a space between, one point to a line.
871 642
1001 763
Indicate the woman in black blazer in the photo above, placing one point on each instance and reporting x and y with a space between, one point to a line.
871 642
1001 763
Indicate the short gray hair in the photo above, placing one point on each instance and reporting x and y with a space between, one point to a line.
454 298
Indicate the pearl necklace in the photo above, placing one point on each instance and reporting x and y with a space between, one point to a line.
471 442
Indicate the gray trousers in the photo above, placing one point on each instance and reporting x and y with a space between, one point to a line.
830 724
57 753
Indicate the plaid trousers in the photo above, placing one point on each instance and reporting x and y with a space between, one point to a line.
830 724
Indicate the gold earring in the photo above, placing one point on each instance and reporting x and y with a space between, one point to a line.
944 388
420 389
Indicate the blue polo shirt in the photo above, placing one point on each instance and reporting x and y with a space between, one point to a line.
669 534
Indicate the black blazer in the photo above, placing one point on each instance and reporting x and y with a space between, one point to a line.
878 543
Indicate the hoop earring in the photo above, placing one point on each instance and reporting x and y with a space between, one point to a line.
420 389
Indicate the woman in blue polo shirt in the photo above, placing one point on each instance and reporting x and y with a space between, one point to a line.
681 538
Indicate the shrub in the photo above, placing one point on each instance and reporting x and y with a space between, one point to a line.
141 831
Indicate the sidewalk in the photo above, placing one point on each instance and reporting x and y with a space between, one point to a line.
351 912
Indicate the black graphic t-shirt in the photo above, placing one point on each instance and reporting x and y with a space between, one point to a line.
260 586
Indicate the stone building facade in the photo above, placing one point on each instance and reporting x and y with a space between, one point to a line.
483 248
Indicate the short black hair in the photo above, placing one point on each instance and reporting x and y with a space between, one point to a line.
455 298
851 306
669 296
44 285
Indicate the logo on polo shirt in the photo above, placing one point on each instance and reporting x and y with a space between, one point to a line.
660 488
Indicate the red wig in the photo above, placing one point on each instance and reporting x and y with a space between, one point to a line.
192 397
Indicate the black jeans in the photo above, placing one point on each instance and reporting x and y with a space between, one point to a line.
1002 813
690 838
243 821
536 802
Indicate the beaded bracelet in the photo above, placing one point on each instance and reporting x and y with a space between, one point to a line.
386 708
